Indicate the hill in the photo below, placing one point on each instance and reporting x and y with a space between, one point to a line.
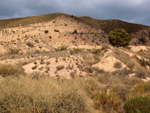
109 25
140 33
69 63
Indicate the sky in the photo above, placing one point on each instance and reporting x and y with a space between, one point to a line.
135 11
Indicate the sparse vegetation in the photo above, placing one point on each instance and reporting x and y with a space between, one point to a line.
78 80
62 48
97 51
119 37
75 51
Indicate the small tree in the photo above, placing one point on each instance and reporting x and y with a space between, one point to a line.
119 37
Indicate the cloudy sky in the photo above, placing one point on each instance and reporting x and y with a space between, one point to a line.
137 11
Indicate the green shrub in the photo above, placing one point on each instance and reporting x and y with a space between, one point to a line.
75 31
119 37
137 105
142 40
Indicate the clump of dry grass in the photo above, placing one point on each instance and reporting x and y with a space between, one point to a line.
44 95
30 44
10 70
60 67
130 64
118 65
142 72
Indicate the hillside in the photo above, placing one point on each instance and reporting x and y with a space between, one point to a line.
25 21
59 63
104 25
109 25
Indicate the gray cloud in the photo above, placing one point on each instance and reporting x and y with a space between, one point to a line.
136 11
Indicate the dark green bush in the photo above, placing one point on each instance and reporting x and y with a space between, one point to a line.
138 105
75 31
119 37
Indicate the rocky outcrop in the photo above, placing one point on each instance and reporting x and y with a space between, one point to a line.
141 37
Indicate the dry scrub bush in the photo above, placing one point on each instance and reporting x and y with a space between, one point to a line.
142 72
45 95
102 101
108 102
30 44
118 65
130 64
10 70
60 67
118 84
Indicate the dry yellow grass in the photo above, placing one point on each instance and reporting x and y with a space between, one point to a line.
10 70
45 95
